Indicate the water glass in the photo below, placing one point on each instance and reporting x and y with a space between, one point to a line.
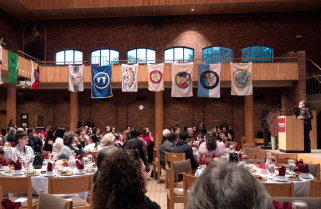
90 157
291 161
291 167
299 204
85 160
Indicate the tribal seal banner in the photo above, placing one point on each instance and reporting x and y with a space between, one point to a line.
101 79
129 78
209 80
76 78
241 79
155 77
182 79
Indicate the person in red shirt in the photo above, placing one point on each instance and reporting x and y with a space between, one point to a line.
147 136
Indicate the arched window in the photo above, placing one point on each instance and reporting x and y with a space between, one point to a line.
178 54
141 54
68 56
257 52
104 56
216 54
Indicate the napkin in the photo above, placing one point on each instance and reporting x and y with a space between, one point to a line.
301 168
8 204
238 148
13 144
273 160
65 164
49 167
286 205
79 157
79 165
1 143
17 165
227 145
240 157
47 156
4 162
194 145
282 171
262 165
299 162
264 160
202 162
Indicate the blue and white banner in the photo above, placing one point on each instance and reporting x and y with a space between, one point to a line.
101 79
209 80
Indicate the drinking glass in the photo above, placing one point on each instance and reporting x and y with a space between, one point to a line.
85 160
291 161
291 167
244 158
299 204
90 157
271 170
32 158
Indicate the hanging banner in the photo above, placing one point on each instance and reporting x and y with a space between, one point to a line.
155 77
182 79
0 64
34 75
101 79
13 68
241 79
76 78
129 78
209 80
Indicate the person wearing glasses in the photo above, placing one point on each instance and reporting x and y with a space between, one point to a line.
21 151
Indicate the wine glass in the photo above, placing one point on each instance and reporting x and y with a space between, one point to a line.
244 158
292 167
299 204
271 169
85 160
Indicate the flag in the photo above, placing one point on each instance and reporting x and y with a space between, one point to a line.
76 78
0 63
101 79
209 80
13 68
241 79
155 77
129 83
182 79
34 75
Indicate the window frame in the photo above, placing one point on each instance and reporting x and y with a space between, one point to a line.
143 62
251 59
183 47
222 58
114 62
64 63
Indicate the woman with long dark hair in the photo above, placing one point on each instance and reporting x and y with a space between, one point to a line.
44 132
211 146
49 140
58 141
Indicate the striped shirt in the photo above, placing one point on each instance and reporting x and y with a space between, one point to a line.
219 151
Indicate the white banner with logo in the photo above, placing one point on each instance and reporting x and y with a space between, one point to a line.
155 77
129 78
241 79
182 79
76 78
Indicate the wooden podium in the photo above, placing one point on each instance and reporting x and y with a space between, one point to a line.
291 134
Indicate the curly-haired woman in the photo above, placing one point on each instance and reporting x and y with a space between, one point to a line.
122 183
211 146
70 143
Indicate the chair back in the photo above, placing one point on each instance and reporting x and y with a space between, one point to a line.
172 157
251 155
70 185
155 154
316 188
249 150
188 181
280 190
183 166
21 185
49 201
253 161
314 170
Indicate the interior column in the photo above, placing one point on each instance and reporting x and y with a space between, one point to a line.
249 130
73 110
159 117
11 103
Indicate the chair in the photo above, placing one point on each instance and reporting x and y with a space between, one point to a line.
283 158
314 170
248 150
170 158
280 190
48 201
312 202
21 185
156 164
253 161
315 188
71 185
188 182
175 195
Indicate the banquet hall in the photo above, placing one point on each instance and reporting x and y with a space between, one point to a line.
131 74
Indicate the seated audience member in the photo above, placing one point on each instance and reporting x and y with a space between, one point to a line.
228 136
231 132
192 137
113 131
133 134
92 144
81 132
11 135
20 129
107 130
210 146
58 142
167 146
21 151
183 147
90 131
107 140
177 130
70 143
220 136
126 135
49 140
226 186
166 133
98 134
195 130
103 153
172 129
44 132
34 141
122 183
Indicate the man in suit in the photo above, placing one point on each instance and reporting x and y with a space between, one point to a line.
305 114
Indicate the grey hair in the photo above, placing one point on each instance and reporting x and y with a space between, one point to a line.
228 186
11 132
68 137
166 132
20 129
304 102
189 129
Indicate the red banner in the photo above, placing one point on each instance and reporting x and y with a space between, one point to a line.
281 123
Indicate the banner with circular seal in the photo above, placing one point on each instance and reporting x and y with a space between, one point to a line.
182 82
155 77
209 80
129 78
241 79
101 79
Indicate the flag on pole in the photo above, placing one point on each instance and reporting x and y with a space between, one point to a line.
182 79
241 79
13 68
101 79
34 75
0 63
129 77
76 78
209 80
155 77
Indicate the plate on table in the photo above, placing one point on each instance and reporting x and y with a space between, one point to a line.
90 170
66 173
46 175
10 170
79 174
260 178
33 173
284 180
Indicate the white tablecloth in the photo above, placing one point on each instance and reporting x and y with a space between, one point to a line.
41 183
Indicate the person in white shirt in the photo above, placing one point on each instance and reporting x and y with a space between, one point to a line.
21 151
59 142
92 144
81 132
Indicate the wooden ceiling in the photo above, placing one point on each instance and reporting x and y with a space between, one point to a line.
64 9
